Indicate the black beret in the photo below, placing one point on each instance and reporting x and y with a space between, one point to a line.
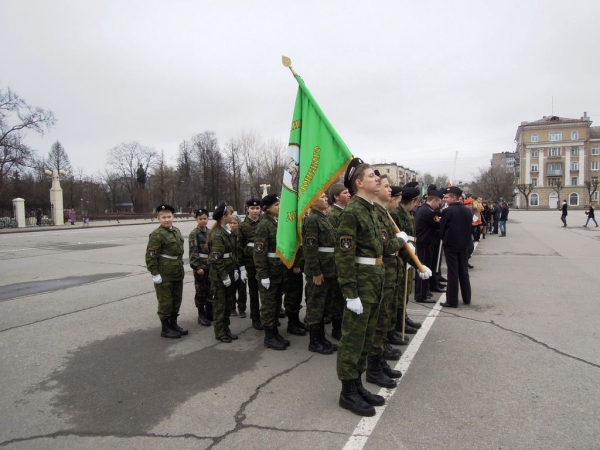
408 193
253 202
350 171
396 191
268 201
443 190
435 193
160 208
202 212
412 184
377 172
454 190
432 187
220 211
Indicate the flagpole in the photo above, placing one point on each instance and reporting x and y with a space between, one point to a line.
287 62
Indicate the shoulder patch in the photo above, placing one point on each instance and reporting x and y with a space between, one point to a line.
259 247
215 256
384 235
151 252
311 241
346 243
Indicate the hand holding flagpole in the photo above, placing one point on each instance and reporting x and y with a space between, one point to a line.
408 249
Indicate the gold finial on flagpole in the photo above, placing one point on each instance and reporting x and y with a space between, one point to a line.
287 62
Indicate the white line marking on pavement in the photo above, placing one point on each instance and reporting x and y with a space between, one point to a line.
365 427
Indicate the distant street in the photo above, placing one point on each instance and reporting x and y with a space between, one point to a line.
83 365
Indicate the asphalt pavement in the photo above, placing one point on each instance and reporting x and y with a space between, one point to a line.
83 365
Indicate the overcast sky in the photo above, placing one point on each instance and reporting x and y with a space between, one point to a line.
403 81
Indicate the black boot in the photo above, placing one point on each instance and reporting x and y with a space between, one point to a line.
375 373
202 319
412 323
280 337
391 353
232 336
352 401
257 325
176 327
315 344
371 399
209 311
388 370
326 342
167 331
409 330
336 329
395 338
281 313
294 325
271 340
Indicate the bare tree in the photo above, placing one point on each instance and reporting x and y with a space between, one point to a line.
493 183
125 159
557 186
112 188
592 187
211 167
233 155
58 158
252 149
427 179
274 164
441 180
526 190
16 118
163 182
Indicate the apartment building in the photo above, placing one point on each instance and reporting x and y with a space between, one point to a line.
557 151
504 161
397 174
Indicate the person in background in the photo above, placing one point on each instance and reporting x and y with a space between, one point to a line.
485 219
563 216
503 219
240 285
590 215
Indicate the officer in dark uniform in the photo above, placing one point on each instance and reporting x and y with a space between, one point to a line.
455 229
427 223
199 263
164 260
247 232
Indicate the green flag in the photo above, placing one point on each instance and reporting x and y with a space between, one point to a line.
316 157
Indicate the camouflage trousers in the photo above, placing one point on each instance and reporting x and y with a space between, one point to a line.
270 299
316 297
222 303
293 285
202 286
358 331
335 304
168 294
253 293
388 306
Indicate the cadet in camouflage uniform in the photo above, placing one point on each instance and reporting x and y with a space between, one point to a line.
293 286
199 263
240 292
319 268
339 198
358 257
223 272
164 260
269 271
246 236
405 221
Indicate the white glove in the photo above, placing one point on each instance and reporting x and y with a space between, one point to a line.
354 305
402 235
243 274
157 279
412 247
426 275
266 283
236 275
227 281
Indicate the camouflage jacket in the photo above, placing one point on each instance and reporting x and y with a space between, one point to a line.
268 264
167 242
359 235
198 249
246 235
334 216
222 256
404 220
318 234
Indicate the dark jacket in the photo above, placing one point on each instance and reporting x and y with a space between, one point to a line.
497 211
504 213
455 227
591 212
564 209
427 223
